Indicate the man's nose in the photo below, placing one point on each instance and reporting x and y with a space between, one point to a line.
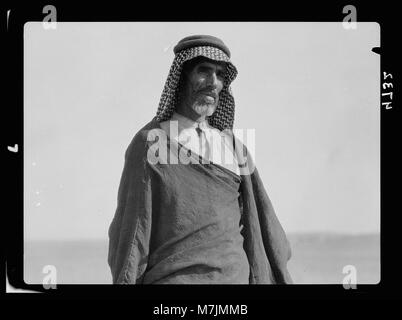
213 79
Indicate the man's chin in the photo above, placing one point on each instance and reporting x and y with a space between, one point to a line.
205 110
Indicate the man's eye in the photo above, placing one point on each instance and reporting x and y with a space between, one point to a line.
219 74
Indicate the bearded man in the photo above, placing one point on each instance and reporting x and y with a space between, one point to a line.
192 208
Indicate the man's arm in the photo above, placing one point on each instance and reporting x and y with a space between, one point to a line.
129 232
275 241
262 225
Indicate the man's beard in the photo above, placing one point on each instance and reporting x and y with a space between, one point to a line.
202 106
204 109
198 103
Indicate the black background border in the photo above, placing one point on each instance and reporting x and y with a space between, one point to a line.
384 14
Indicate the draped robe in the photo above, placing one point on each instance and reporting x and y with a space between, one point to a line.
193 223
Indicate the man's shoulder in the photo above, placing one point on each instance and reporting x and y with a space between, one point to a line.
141 140
142 134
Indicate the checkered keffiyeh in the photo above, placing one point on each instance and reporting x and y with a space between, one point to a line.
223 117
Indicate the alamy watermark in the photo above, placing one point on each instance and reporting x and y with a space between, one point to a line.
227 146
350 280
50 279
50 20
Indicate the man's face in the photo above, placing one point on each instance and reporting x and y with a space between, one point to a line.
203 85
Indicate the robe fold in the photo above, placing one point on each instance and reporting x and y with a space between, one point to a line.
193 224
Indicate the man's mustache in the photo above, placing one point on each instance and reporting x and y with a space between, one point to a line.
211 93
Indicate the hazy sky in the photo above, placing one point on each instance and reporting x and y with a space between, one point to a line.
310 90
